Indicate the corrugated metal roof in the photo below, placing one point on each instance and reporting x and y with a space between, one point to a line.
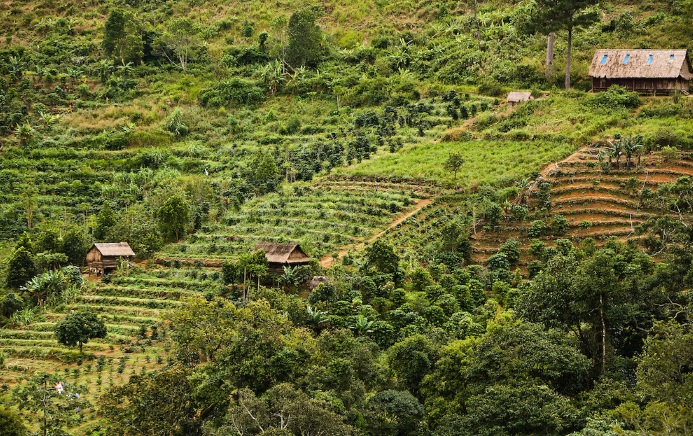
283 253
644 64
114 249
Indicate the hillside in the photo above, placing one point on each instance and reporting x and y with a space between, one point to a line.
549 271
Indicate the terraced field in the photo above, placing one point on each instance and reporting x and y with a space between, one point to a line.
322 217
131 304
596 204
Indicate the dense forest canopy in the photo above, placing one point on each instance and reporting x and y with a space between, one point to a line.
477 268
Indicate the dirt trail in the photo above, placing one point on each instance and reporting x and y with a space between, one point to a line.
326 261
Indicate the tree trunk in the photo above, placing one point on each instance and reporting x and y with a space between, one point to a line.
567 63
601 315
80 347
549 52
45 419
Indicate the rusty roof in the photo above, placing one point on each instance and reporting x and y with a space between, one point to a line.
283 253
114 249
645 64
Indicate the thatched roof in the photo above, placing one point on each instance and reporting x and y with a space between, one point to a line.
641 64
518 96
120 249
283 253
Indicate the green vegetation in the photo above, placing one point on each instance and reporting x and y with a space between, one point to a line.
477 268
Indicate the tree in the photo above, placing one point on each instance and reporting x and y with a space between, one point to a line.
305 37
381 257
664 370
549 16
282 410
411 359
11 424
49 284
20 268
454 163
77 328
75 246
105 220
262 174
60 404
160 403
122 39
180 39
396 413
173 218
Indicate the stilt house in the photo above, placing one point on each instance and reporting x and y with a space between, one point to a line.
103 257
647 71
281 255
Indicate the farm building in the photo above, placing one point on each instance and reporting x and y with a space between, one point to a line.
516 97
281 255
647 71
103 257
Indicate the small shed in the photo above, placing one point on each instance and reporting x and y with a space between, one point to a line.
103 257
646 71
281 255
516 97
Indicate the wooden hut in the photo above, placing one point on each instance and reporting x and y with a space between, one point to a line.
516 97
103 257
281 255
646 71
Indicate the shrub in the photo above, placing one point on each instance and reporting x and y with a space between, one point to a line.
670 153
232 92
175 124
538 228
559 225
615 97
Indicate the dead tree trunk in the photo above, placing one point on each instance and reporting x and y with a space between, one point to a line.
549 52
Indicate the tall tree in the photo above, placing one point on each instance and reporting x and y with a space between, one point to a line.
179 41
305 39
173 217
20 269
105 220
547 16
122 39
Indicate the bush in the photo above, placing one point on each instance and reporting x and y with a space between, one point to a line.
615 97
537 229
175 124
559 225
232 92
